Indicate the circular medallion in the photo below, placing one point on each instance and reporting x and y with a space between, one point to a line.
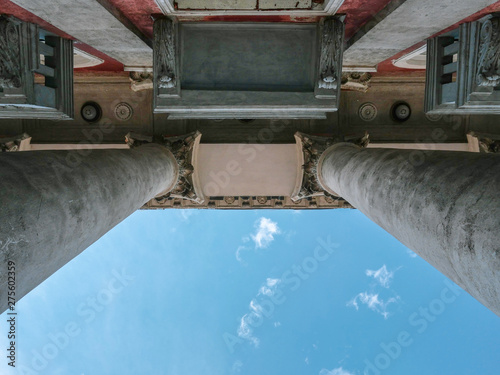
367 112
123 111
229 200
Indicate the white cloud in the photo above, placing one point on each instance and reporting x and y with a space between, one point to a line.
238 252
266 229
335 371
255 307
383 276
269 288
306 360
245 332
373 303
277 324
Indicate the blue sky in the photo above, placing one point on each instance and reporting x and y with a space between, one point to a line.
320 292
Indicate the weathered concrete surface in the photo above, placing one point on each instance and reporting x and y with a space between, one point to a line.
91 23
410 23
443 205
54 204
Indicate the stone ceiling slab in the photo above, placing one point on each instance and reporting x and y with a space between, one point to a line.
91 23
406 25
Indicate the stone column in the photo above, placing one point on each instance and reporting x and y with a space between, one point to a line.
54 204
443 205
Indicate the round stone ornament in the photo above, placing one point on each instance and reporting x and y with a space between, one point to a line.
123 111
368 112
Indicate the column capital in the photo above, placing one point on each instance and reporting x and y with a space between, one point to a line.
311 149
184 149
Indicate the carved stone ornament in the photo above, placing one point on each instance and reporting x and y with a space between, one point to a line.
487 142
164 46
124 111
331 50
312 149
229 200
356 81
14 143
10 65
488 67
141 81
367 112
182 148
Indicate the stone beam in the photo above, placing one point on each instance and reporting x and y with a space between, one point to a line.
57 203
404 23
97 24
442 205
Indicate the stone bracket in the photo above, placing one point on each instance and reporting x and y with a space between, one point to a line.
330 60
166 58
488 65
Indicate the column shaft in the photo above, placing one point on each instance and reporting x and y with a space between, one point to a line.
54 204
443 205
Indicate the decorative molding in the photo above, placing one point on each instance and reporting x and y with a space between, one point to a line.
488 66
165 56
239 203
332 6
312 148
84 59
329 9
416 59
184 148
165 6
330 59
357 69
356 81
10 54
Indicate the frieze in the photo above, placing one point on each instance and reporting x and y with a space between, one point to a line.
257 202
